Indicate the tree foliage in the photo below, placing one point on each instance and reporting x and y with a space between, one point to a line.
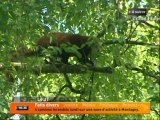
126 68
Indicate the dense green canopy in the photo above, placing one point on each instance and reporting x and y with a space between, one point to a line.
126 58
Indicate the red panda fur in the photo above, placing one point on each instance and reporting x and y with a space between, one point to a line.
58 38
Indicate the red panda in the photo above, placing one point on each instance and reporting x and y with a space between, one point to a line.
59 38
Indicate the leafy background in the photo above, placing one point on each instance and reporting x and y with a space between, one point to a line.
132 44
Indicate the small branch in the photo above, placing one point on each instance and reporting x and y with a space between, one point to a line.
91 87
141 70
132 30
142 43
59 92
150 25
101 33
111 42
156 111
69 83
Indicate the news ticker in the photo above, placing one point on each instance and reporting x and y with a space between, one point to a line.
137 11
80 108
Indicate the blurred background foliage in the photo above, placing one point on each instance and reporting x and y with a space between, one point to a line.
22 22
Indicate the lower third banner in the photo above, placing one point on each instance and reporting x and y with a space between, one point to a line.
80 107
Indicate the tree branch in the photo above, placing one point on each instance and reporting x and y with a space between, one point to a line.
69 83
111 42
59 68
143 71
150 25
